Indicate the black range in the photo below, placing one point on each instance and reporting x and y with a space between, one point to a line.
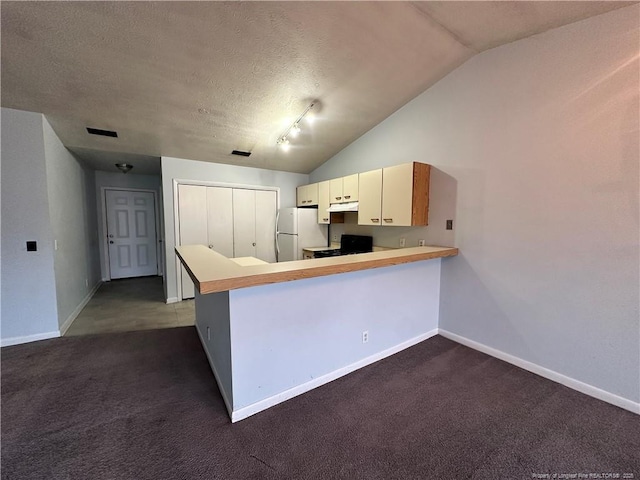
349 245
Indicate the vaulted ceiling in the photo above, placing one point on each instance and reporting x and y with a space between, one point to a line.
200 79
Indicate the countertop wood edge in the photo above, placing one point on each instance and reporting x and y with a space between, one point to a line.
222 274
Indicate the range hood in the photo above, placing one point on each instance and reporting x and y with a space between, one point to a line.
343 207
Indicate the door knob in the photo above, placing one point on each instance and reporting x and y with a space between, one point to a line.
110 241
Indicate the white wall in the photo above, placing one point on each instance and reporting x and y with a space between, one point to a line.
118 179
73 222
28 309
540 141
181 169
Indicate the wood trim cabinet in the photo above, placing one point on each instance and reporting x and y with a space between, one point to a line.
402 193
307 195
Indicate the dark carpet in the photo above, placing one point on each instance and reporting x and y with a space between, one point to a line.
144 405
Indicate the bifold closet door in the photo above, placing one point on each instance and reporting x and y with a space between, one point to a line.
220 220
244 223
192 201
266 206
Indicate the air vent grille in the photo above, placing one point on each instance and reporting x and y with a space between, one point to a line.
104 133
241 153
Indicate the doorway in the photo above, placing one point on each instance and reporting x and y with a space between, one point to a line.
132 237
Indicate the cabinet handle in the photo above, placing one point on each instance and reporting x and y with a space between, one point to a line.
338 198
254 244
303 201
309 201
375 220
347 196
325 219
388 220
211 247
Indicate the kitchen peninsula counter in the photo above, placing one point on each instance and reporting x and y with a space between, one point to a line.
274 331
212 272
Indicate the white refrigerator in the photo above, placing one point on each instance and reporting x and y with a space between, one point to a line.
298 228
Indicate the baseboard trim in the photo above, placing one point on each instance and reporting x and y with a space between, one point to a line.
7 342
227 403
172 300
546 373
69 321
257 407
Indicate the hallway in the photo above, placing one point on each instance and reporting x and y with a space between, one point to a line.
131 304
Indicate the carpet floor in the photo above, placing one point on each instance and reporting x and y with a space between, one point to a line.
145 405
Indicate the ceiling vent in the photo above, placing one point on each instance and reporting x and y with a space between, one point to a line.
241 153
104 133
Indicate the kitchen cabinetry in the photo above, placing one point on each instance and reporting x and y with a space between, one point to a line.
370 203
403 199
235 222
344 189
323 202
307 195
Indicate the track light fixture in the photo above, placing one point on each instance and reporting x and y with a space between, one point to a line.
293 130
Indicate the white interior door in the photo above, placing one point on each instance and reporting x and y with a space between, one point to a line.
244 223
131 232
266 225
220 220
192 210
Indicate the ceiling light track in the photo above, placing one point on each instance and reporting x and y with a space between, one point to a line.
293 130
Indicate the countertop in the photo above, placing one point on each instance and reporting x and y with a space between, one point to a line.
213 272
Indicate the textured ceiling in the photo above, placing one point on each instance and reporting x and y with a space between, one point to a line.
199 79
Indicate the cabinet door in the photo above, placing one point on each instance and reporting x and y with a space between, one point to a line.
192 210
335 190
307 195
301 196
220 220
244 223
312 194
323 202
397 195
369 209
350 188
266 225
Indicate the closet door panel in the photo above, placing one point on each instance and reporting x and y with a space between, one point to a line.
220 220
244 223
266 225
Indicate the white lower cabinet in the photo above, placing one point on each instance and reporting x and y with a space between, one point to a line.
235 222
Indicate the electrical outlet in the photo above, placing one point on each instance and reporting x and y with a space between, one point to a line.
365 336
334 237
449 224
421 243
403 242
208 333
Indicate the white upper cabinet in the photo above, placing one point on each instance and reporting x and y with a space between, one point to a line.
395 196
335 190
323 202
350 188
307 195
344 189
370 207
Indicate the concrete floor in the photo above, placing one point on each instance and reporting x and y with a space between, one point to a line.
131 304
